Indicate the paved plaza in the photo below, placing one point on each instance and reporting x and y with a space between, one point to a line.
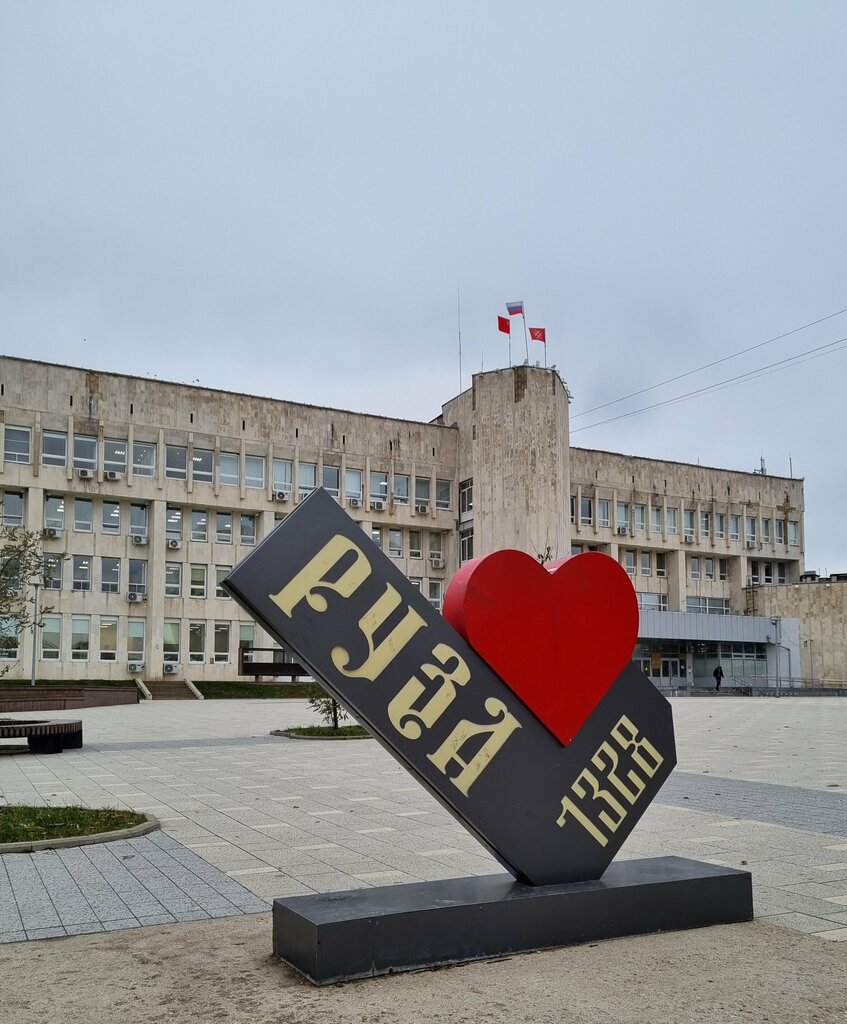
761 783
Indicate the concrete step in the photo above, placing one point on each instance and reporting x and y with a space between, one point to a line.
171 689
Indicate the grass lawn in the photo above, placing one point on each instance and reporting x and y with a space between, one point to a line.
20 824
246 691
327 730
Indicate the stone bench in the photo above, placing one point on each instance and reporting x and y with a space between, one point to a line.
43 737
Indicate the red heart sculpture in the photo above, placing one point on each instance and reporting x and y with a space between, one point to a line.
557 636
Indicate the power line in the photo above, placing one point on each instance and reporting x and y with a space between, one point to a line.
781 364
707 366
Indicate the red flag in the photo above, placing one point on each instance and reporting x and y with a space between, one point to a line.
504 325
538 334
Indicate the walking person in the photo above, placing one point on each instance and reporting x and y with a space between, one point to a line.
718 674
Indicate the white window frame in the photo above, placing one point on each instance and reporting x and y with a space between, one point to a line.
21 451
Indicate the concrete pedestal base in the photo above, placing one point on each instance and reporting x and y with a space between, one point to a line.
367 932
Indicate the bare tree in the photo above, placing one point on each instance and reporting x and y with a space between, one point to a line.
21 567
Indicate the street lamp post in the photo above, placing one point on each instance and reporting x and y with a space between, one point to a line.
35 617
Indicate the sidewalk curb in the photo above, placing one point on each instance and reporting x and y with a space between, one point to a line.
151 825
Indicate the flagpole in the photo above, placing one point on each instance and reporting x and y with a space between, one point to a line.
509 336
525 338
459 323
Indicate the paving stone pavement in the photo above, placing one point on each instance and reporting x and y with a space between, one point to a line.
247 817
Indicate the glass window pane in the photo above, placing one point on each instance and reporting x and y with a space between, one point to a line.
401 489
422 490
283 470
353 484
144 458
379 487
307 477
114 455
443 494
80 631
51 637
222 642
198 581
110 520
201 465
108 639
199 524
135 629
228 466
54 448
331 475
173 579
85 452
54 512
223 527
170 640
138 520
17 444
254 471
83 512
197 641
176 462
248 529
110 575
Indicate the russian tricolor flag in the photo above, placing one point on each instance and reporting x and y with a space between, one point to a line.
515 308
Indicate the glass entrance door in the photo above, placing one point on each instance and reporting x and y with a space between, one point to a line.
670 669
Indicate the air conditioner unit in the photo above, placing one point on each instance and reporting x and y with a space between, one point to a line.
133 596
112 474
174 543
750 545
135 666
436 563
170 668
85 474
377 506
354 502
281 495
138 538
623 530
52 532
689 538
422 509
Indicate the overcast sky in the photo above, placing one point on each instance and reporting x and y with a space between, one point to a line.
283 198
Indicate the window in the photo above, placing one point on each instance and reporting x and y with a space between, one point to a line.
223 527
173 522
54 512
750 529
577 549
653 602
604 512
54 448
221 643
688 522
629 562
170 640
707 605
221 573
640 517
694 567
422 490
201 466
82 572
415 549
646 564
622 517
307 477
708 568
137 576
395 543
52 572
85 452
466 544
353 484
82 515
254 471
671 516
108 639
51 637
173 579
114 455
246 635
379 487
248 529
720 526
723 569
586 511
10 575
9 639
705 525
228 469
793 534
176 462
661 566
781 576
753 578
376 536
138 520
198 581
110 517
435 591
110 575
135 640
197 642
779 525
416 582
144 458
282 470
466 497
734 527
401 489
443 498
13 508
656 518
435 549
768 573
331 478
766 531
17 444
573 508
199 524
80 637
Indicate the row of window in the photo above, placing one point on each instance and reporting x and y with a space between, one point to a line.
392 542
203 467
632 518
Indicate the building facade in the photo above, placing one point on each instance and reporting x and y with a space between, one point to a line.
146 493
